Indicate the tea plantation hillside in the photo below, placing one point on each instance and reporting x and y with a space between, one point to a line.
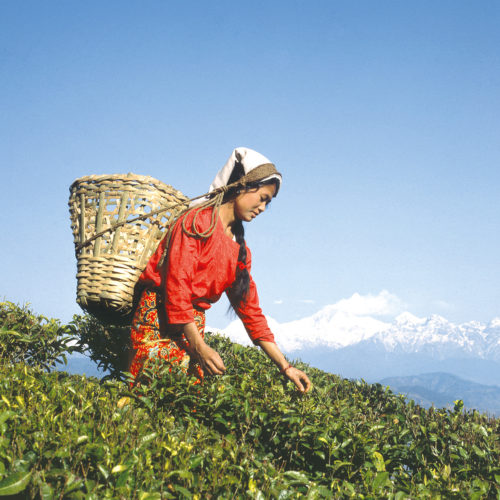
247 434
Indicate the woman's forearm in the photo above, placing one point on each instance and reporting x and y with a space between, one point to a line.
209 359
193 335
274 353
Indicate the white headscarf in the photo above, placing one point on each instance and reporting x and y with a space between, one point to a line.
249 160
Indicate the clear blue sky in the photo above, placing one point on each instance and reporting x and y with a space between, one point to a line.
382 116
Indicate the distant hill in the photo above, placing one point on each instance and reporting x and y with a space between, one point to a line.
441 389
372 362
79 364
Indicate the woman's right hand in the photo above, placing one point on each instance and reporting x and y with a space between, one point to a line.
209 359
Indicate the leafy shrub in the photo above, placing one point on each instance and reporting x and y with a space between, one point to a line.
247 434
33 339
107 345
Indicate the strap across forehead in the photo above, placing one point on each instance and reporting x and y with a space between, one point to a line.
258 174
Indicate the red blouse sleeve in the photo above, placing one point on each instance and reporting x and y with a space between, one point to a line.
181 267
250 313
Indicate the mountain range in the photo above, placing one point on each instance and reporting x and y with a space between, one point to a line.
335 330
361 337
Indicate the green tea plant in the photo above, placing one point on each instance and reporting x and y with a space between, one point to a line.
107 345
33 339
246 434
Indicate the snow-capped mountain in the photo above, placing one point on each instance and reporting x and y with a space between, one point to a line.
336 327
440 337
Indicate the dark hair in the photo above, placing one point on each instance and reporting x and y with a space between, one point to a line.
241 285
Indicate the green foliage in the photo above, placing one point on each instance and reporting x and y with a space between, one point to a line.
107 345
247 434
33 339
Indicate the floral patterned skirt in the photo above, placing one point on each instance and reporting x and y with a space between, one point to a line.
150 340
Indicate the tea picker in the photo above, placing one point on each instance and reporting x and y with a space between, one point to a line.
150 257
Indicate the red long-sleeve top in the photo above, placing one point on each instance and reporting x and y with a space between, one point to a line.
198 271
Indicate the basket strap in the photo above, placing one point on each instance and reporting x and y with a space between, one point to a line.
214 198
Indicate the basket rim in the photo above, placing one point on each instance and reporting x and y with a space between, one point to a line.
141 179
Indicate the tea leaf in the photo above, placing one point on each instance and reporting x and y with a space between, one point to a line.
14 483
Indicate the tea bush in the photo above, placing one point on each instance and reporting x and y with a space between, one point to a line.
33 339
107 345
246 434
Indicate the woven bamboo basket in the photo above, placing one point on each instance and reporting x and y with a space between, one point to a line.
117 223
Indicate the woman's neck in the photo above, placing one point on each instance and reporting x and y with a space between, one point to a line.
227 217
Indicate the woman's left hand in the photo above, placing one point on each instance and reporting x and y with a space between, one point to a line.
299 378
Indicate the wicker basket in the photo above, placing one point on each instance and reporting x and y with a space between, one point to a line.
116 228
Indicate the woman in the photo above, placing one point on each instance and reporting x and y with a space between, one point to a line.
203 256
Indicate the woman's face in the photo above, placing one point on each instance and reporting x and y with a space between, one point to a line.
249 204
